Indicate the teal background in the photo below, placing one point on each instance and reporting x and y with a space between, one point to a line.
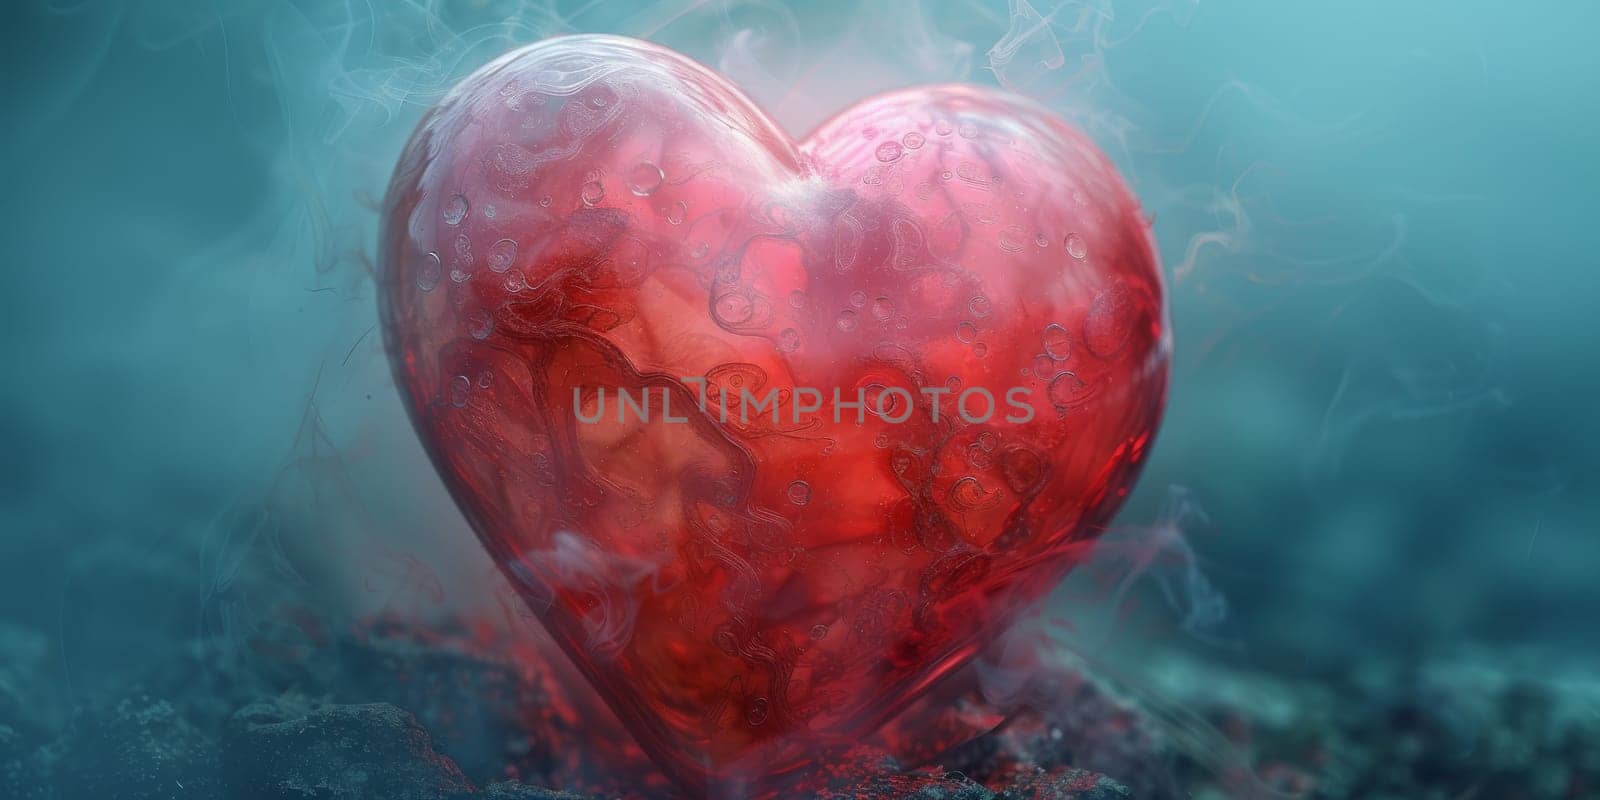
1377 220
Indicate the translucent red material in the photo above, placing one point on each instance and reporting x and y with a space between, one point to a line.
597 214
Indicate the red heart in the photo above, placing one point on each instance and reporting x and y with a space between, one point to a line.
596 213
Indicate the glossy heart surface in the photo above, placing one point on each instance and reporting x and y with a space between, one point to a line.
772 436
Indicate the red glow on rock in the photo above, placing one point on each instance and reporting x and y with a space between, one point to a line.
752 595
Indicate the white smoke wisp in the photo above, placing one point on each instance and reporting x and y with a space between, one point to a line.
611 585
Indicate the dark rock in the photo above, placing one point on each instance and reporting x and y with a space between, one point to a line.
926 784
1061 783
356 751
511 790
501 708
868 774
474 704
139 749
1102 735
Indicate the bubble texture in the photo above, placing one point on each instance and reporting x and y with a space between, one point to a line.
749 594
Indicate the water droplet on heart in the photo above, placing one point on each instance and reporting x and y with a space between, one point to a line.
966 332
459 275
644 178
1041 241
480 324
1067 390
516 281
882 309
1057 342
942 127
430 273
455 210
967 493
818 632
677 212
799 493
969 131
788 340
797 299
945 175
460 387
485 379
545 201
502 254
913 140
593 192
889 151
1075 246
979 305
1011 238
733 309
847 320
858 298
1044 367
980 349
757 714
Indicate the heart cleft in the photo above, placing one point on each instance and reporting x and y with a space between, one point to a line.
771 436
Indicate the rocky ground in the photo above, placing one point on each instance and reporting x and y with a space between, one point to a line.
383 715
